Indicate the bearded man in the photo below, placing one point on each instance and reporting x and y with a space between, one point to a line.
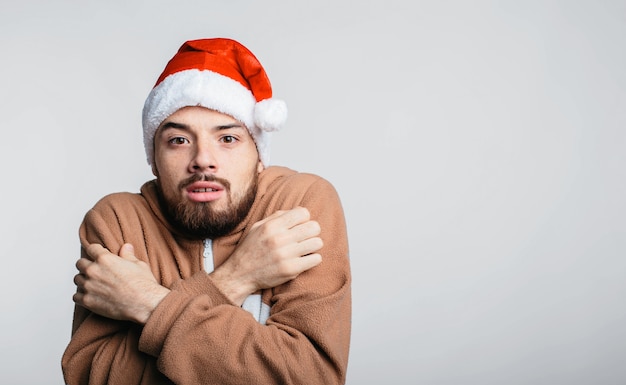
223 269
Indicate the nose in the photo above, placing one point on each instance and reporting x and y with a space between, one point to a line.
203 159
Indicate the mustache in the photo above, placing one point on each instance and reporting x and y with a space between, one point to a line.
204 178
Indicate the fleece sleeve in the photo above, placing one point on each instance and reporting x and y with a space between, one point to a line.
306 338
105 351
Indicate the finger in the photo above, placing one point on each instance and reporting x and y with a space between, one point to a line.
305 247
292 217
311 260
128 252
268 218
304 231
95 250
78 298
82 264
79 281
306 262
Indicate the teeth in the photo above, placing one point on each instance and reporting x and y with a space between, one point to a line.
204 190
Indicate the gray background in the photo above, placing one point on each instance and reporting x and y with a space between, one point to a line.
478 148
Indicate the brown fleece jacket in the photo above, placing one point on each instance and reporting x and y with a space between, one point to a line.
196 335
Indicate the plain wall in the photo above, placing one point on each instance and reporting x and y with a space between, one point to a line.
478 148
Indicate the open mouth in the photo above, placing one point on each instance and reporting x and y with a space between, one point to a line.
205 191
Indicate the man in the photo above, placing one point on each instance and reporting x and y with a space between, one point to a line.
222 270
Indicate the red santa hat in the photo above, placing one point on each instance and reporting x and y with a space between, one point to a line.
222 75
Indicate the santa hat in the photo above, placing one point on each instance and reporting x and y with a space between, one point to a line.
222 75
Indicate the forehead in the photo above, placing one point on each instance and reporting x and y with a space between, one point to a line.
201 116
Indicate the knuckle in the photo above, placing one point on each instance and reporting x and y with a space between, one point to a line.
287 270
93 250
278 255
91 270
270 243
275 241
267 229
86 301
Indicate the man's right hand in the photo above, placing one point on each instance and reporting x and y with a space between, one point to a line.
276 250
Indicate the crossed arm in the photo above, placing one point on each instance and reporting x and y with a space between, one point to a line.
276 250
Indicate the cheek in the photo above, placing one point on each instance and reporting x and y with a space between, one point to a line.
169 164
166 175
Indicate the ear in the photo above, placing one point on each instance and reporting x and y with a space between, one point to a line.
155 171
259 167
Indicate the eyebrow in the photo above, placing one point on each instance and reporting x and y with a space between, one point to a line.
232 125
181 126
170 125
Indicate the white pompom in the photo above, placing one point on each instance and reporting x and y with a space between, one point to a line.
270 114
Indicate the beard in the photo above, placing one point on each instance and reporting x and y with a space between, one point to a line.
200 219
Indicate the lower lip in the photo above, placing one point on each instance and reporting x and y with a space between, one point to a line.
208 196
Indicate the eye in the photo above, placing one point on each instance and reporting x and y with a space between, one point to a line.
177 140
228 139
